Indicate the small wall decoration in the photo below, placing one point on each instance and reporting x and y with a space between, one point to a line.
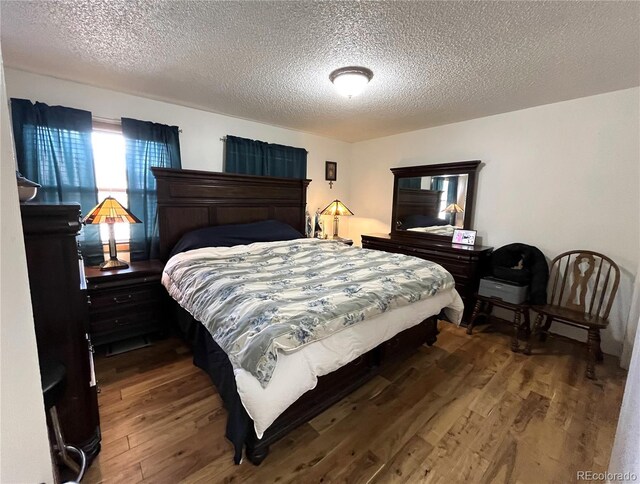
331 172
466 237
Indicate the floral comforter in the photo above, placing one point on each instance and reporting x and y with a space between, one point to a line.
260 298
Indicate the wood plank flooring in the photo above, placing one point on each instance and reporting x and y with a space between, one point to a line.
465 410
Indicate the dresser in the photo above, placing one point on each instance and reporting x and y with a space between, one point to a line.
59 301
466 263
127 302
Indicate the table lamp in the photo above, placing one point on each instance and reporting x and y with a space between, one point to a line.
336 208
453 209
111 212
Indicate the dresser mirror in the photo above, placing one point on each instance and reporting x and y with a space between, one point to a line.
433 200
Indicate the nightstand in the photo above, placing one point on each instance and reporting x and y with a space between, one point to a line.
340 239
127 302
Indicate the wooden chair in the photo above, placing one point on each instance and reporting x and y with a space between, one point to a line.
583 287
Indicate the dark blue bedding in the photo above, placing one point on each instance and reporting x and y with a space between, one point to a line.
239 234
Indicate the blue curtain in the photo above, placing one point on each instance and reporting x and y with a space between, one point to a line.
251 157
452 190
53 148
452 196
147 145
415 182
437 182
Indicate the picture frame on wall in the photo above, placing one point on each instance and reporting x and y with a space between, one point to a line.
464 237
331 172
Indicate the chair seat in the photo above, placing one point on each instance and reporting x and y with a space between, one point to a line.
572 316
499 302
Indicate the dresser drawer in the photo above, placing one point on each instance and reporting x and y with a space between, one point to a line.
111 298
460 267
457 269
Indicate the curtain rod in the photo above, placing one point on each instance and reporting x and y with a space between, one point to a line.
113 122
224 138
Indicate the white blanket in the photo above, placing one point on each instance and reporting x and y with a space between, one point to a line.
297 372
435 229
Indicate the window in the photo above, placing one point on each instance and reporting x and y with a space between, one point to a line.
111 174
443 200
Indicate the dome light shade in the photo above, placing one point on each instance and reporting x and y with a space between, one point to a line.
351 81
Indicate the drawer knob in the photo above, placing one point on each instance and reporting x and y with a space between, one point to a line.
118 300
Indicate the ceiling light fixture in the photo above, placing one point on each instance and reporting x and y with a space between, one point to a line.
351 81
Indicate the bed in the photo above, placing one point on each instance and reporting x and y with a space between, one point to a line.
190 200
417 210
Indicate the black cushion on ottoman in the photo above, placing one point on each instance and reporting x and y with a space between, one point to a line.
535 270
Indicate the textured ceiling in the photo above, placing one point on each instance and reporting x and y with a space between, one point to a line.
433 62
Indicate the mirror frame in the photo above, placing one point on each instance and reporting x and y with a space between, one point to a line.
469 168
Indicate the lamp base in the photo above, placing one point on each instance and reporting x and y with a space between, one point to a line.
113 264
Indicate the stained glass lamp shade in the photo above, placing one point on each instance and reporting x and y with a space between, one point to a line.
111 212
453 209
336 208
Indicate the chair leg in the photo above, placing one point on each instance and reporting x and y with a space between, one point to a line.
545 331
474 315
599 354
534 333
515 344
592 348
527 324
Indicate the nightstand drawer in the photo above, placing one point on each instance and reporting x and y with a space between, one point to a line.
110 321
124 295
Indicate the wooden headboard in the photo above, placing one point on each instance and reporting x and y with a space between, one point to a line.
414 201
190 199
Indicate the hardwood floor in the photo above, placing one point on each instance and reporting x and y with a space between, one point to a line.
465 410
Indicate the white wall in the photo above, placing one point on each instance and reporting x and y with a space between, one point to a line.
24 447
560 177
200 143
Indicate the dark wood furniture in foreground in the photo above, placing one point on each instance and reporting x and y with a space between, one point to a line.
127 302
466 263
583 287
59 300
521 321
189 200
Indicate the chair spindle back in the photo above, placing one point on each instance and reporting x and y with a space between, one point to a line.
584 281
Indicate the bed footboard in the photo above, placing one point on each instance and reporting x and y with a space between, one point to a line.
336 385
